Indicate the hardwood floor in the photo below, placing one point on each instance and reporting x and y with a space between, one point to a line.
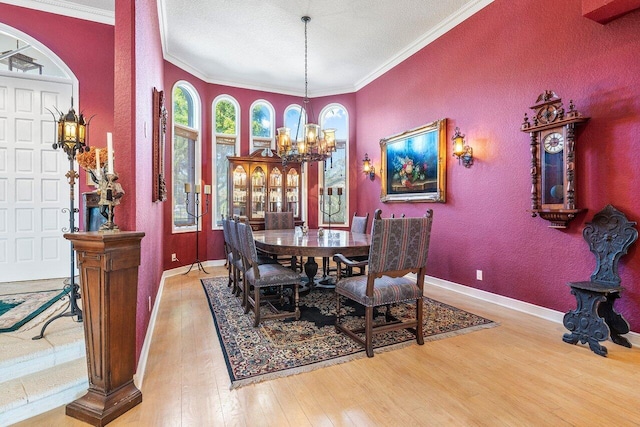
518 374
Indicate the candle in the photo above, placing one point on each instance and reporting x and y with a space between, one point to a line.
330 191
339 191
207 189
197 188
109 153
187 187
98 174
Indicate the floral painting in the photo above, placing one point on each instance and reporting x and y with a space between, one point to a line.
414 164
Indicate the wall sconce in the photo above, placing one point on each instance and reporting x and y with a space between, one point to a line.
461 150
367 167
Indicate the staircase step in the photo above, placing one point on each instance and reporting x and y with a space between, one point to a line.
39 375
21 355
33 394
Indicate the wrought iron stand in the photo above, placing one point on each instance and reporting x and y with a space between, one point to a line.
72 286
197 218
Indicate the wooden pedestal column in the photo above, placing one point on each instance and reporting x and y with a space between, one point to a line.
108 264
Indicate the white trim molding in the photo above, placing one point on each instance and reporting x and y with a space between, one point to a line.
513 304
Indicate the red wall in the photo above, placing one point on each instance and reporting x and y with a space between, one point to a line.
483 76
87 49
94 52
147 69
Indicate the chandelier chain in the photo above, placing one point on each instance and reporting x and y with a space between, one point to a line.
306 20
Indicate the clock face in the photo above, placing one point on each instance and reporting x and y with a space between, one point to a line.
553 143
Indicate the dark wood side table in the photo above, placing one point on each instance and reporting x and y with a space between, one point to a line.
108 264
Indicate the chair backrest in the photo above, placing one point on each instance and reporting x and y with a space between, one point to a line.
609 235
226 233
399 244
247 244
359 223
234 239
278 220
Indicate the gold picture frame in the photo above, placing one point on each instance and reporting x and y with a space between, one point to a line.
414 164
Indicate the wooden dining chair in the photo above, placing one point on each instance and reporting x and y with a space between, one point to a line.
239 267
282 221
358 225
226 232
258 277
398 246
278 221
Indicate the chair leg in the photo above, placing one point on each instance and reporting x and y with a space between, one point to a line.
338 317
368 330
296 298
245 295
256 308
419 314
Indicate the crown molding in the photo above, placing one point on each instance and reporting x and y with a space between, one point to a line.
451 22
67 8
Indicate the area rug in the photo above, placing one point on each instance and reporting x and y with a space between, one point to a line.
18 309
279 348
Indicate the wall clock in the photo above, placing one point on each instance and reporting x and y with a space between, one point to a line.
552 146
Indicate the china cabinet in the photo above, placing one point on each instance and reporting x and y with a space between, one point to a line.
259 183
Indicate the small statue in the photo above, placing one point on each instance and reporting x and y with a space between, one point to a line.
110 194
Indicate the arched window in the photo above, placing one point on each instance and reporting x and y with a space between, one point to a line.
186 153
226 139
262 126
292 121
335 173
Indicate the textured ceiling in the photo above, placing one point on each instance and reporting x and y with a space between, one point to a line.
259 44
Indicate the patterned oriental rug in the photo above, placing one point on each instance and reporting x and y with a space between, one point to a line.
18 309
279 348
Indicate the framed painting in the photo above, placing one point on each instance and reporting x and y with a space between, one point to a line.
414 164
159 133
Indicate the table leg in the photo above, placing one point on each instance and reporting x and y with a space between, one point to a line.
310 269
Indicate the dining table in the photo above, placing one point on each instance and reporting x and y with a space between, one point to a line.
313 243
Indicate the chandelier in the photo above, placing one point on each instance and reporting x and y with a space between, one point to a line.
311 146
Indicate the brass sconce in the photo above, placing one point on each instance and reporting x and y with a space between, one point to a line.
367 167
461 150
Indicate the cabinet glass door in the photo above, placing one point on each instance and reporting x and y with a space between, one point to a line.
239 207
258 193
275 190
293 181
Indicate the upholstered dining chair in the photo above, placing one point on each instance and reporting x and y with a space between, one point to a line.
358 225
282 221
398 246
261 276
239 267
226 232
278 220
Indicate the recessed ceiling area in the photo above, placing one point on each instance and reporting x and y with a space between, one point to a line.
259 44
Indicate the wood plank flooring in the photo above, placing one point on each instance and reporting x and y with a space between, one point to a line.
518 374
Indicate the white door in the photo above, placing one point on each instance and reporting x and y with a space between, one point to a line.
33 186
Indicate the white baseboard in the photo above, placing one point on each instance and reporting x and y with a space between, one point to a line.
144 353
514 304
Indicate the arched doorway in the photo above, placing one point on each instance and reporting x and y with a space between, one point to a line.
33 187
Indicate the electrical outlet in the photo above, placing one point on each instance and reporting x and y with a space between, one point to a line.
149 303
478 274
174 258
